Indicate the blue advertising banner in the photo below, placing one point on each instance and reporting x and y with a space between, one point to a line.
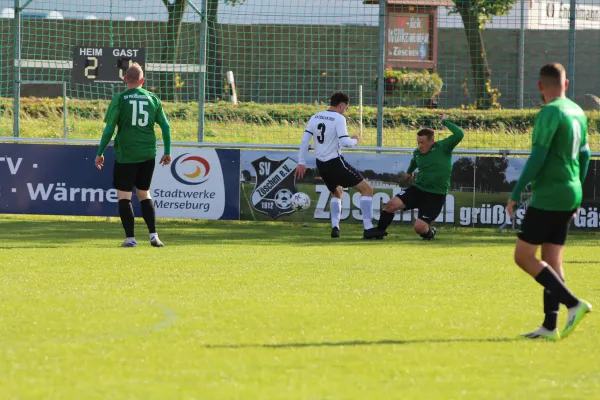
63 180
479 189
268 184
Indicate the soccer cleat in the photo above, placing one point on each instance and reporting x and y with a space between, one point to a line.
335 232
129 243
543 333
433 232
373 233
155 242
576 314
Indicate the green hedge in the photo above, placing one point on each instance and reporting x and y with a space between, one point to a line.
298 114
410 85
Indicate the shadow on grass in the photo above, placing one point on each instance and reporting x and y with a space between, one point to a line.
56 234
30 247
583 262
48 233
362 343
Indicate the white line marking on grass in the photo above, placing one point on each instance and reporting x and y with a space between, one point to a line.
169 316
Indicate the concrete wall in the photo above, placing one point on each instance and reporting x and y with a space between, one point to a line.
289 64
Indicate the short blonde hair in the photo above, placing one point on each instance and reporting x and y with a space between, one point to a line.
134 73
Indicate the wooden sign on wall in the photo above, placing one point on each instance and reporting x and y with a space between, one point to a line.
411 34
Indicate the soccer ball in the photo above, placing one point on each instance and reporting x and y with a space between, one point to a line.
283 199
300 201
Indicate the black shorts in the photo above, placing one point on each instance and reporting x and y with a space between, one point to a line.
126 176
429 204
542 226
337 172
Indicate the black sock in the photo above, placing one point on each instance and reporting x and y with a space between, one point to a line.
551 306
428 234
127 218
149 214
385 219
549 280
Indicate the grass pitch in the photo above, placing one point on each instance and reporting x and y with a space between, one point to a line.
231 310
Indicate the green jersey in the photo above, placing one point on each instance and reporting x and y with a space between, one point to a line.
135 112
435 166
561 128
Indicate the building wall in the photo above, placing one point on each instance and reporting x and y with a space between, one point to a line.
299 64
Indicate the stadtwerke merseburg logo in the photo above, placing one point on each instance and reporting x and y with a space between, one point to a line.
190 170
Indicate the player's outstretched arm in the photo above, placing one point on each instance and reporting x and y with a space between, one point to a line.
544 129
532 166
457 134
584 161
302 153
342 131
349 142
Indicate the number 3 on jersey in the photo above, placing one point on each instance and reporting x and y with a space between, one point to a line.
321 135
137 107
576 139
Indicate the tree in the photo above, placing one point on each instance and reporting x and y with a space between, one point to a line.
213 59
490 173
170 50
176 10
462 173
247 175
474 14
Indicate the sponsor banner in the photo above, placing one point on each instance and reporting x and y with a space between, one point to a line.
268 183
274 186
62 180
479 190
199 184
55 180
495 178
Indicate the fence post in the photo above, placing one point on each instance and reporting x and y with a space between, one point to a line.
571 70
380 72
522 55
202 89
17 70
64 93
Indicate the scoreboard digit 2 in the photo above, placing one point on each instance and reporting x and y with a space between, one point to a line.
104 64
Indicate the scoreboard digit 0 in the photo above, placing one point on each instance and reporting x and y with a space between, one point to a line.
104 64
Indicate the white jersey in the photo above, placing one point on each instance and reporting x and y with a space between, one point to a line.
327 128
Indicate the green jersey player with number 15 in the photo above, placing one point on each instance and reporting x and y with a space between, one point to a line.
135 112
556 168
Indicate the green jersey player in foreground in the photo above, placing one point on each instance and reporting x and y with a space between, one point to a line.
428 193
135 111
557 168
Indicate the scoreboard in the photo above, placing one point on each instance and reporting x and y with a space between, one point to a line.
104 64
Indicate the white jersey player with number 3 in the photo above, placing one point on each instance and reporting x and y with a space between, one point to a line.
327 129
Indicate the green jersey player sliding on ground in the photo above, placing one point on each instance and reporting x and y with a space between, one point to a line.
557 168
428 193
135 112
